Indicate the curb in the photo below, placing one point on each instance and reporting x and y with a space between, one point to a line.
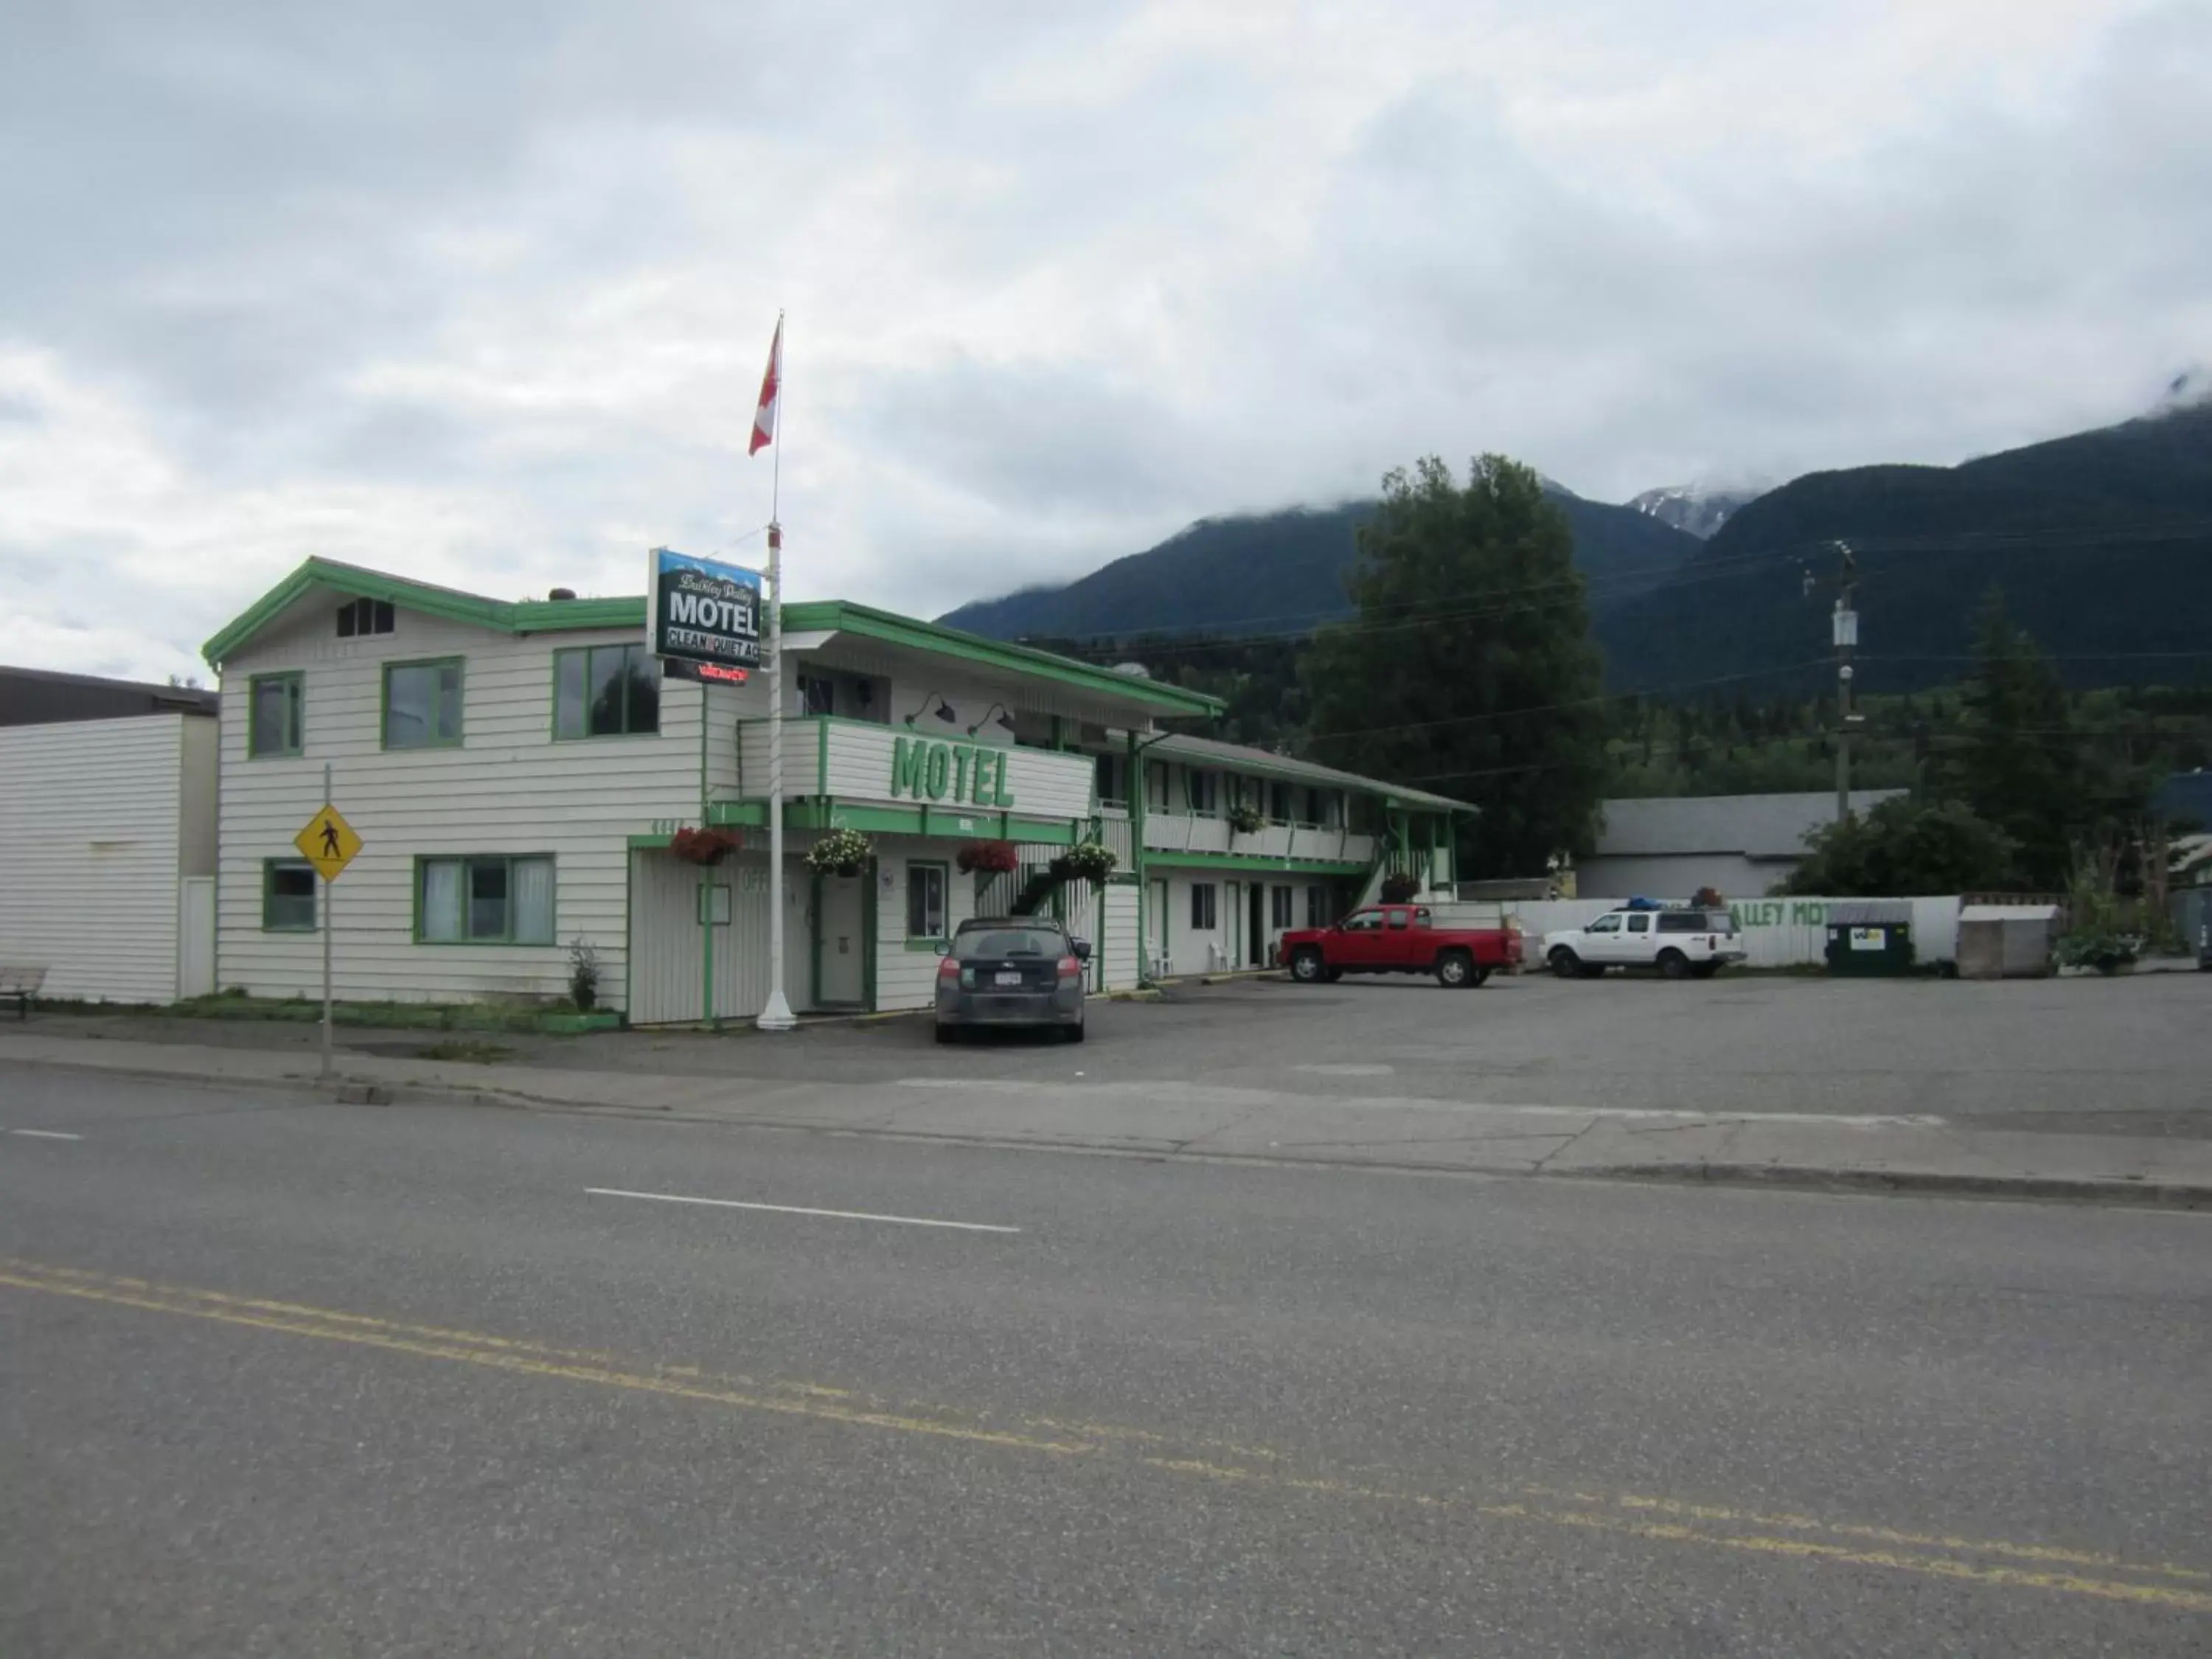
2136 1193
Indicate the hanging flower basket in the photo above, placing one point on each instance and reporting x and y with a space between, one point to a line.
1246 820
1088 860
1399 888
708 847
988 856
840 852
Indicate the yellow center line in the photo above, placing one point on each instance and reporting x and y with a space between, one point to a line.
1932 1555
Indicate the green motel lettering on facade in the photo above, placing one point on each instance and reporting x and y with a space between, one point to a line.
965 773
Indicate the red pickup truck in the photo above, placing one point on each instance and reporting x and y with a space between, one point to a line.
1399 938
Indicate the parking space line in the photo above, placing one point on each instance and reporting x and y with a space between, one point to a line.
42 1135
801 1209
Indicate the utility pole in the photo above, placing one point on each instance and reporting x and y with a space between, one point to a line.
1846 633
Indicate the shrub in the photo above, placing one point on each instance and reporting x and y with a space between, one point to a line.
583 974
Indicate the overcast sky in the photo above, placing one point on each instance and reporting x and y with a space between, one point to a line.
481 293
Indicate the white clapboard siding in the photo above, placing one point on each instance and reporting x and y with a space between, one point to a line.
92 846
1115 956
907 978
508 788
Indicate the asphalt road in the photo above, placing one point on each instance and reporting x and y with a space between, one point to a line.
2121 1056
280 1377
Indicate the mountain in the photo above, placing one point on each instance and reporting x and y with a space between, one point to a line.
2101 542
1692 507
1284 572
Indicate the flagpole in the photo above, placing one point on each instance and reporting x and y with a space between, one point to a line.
776 1015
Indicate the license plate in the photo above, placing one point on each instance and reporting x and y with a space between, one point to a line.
1008 976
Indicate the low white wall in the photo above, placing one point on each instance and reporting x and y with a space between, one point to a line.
1778 932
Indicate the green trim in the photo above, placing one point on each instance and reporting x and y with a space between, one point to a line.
507 943
295 715
821 813
1240 861
269 867
932 946
821 757
384 705
558 615
650 843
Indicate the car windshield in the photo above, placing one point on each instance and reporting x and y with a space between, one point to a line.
1001 942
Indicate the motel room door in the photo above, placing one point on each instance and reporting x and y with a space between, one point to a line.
841 942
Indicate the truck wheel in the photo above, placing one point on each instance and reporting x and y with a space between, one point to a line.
1455 969
1565 964
1674 964
1306 964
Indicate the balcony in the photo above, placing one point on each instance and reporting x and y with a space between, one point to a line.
897 765
1175 832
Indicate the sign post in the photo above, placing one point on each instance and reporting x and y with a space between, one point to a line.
330 844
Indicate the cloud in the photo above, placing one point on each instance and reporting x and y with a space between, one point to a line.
481 295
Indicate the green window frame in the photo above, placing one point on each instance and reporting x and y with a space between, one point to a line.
485 898
278 701
291 896
431 717
928 886
605 692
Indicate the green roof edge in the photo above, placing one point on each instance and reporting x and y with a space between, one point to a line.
559 616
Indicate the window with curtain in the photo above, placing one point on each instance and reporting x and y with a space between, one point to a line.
422 705
605 692
288 896
485 900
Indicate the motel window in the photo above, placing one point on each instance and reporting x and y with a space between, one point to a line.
358 616
484 900
1205 793
288 896
1316 907
1113 780
605 692
422 704
817 694
1279 908
1202 914
925 902
1279 802
1155 785
273 705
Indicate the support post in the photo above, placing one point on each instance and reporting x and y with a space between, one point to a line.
329 887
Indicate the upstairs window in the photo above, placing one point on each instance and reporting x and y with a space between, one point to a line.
1204 794
272 715
817 694
1113 789
422 705
605 692
1279 802
357 617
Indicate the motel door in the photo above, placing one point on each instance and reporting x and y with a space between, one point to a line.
840 941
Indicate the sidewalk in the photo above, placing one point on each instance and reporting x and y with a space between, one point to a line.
1870 1152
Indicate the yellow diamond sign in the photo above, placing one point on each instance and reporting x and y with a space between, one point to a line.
328 842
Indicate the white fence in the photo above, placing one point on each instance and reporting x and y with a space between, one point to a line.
1778 932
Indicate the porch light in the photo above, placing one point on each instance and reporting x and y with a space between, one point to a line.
1005 721
944 710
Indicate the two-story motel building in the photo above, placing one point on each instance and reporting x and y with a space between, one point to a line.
518 772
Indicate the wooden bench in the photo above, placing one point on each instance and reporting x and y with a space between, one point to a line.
21 983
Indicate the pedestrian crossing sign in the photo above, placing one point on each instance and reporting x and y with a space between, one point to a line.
328 842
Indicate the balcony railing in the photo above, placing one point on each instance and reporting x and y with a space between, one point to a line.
1176 832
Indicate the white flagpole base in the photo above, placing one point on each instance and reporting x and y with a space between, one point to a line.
777 1016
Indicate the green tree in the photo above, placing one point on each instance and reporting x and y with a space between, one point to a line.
1904 848
1470 669
2017 764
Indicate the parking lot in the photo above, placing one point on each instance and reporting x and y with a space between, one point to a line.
2130 1055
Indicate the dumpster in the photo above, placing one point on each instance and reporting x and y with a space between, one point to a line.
1870 941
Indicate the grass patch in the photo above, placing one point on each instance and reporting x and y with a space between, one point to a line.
475 1052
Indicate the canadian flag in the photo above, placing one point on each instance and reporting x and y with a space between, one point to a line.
771 389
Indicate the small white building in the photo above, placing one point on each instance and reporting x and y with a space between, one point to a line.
107 855
1669 847
520 772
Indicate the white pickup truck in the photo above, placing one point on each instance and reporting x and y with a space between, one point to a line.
1680 941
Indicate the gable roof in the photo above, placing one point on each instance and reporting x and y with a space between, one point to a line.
1207 752
568 615
1755 826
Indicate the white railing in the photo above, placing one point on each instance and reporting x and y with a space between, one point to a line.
1176 832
